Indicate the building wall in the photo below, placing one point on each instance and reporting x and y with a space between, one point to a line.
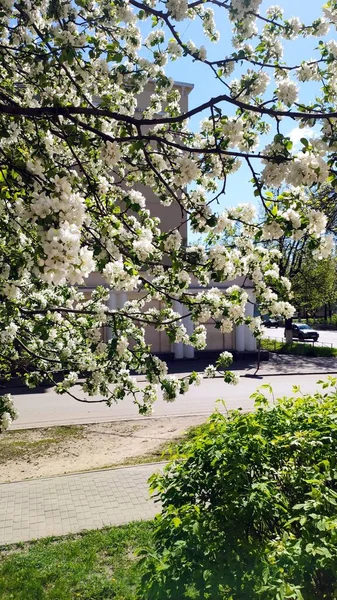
241 338
172 216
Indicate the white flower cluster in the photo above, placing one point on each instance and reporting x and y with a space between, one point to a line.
287 91
187 170
243 212
65 260
110 154
143 244
174 49
239 134
177 9
199 337
329 10
233 129
155 37
223 223
225 359
173 241
8 334
253 83
306 169
118 277
7 412
292 215
170 388
210 372
292 28
241 9
272 231
331 46
308 71
226 326
326 247
208 23
137 197
63 202
317 222
274 12
320 27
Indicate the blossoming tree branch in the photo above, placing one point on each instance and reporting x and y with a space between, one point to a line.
77 158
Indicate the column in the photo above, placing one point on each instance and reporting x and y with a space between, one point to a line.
112 305
188 350
122 298
250 340
240 338
178 346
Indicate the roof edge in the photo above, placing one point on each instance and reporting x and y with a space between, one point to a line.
184 84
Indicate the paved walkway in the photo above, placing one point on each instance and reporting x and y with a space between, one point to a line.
285 364
278 364
73 503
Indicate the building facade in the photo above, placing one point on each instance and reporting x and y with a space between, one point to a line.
240 340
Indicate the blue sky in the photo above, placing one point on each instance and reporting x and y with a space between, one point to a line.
205 86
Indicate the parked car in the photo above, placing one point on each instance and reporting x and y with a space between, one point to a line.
272 322
302 332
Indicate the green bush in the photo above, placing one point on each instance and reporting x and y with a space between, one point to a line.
330 323
250 506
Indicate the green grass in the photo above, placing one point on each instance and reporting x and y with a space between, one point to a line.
14 446
297 349
97 565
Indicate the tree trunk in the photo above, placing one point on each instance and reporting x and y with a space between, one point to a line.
289 331
258 356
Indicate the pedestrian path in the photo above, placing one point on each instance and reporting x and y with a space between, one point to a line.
285 364
72 503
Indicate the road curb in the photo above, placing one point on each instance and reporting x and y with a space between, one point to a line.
89 472
297 373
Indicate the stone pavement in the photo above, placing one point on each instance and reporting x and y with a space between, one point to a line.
277 364
285 364
72 503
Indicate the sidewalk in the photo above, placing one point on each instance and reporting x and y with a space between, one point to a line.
285 364
278 364
72 503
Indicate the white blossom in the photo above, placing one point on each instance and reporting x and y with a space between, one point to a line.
177 8
287 91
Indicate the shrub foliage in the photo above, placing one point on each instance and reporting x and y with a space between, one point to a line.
250 505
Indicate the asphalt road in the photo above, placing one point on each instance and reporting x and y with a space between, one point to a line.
328 338
46 408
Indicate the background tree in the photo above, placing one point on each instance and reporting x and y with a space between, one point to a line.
314 287
74 152
313 281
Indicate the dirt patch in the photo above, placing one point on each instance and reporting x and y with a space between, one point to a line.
52 451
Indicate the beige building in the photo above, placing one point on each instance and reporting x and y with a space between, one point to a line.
240 340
